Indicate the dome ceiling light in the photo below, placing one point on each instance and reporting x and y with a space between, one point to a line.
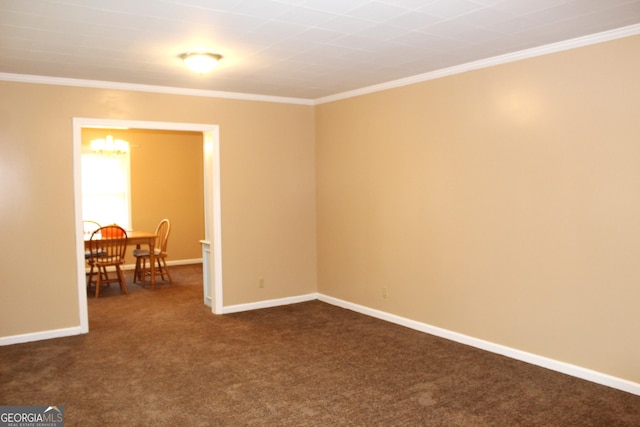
201 62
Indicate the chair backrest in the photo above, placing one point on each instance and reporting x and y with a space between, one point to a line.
162 235
108 244
89 227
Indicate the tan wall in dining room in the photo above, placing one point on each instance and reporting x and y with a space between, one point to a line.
267 190
502 203
166 182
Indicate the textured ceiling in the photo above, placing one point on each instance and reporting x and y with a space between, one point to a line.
305 49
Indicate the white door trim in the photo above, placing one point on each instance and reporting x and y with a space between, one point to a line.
212 200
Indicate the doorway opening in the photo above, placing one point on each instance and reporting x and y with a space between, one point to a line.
212 243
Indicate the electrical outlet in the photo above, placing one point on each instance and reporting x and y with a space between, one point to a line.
385 293
261 283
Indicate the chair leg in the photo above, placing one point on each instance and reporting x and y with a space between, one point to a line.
98 282
165 269
160 269
122 280
143 270
105 274
136 271
89 276
138 274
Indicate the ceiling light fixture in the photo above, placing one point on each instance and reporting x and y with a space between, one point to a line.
201 62
109 146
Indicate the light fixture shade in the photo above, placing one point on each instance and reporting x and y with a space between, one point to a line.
202 62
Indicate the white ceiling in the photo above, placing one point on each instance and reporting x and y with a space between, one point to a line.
305 49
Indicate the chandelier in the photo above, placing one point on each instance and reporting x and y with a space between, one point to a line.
110 146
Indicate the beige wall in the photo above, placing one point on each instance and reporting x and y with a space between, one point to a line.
267 191
166 182
502 203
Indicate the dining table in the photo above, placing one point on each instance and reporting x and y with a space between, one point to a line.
138 238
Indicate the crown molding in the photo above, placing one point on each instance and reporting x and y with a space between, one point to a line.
98 84
602 37
619 33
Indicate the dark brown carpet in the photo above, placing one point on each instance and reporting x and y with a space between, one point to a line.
159 357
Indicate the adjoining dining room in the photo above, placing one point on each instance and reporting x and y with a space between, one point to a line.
142 180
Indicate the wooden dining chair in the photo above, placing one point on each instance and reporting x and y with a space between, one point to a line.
107 247
160 252
88 227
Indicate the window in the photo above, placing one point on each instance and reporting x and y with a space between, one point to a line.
106 190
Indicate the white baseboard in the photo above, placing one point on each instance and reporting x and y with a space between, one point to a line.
268 303
128 267
169 263
545 362
44 335
184 261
